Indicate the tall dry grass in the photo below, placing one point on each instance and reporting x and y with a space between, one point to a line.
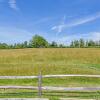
51 61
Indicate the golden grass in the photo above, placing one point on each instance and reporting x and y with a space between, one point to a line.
51 61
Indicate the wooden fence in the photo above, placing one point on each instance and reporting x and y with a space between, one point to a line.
40 88
47 76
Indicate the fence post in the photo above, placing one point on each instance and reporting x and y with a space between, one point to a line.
40 84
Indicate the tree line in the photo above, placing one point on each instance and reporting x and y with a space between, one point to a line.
40 42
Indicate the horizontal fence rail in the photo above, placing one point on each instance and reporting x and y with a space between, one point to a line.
18 77
47 76
53 88
69 75
23 99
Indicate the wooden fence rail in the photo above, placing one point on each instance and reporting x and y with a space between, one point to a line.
40 88
53 88
48 76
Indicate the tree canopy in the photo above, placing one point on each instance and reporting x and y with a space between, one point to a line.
38 42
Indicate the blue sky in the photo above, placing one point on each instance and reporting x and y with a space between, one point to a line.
56 20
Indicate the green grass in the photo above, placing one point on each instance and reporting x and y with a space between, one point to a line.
66 82
48 94
51 61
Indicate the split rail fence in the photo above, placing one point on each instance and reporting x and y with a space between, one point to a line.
40 88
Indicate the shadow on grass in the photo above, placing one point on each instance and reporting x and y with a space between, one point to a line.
53 94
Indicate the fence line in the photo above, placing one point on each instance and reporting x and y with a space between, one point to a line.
51 88
48 76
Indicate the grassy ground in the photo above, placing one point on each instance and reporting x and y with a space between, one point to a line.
51 61
48 94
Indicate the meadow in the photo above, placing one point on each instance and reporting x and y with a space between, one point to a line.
51 61
27 62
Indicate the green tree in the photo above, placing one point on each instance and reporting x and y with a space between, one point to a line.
3 46
38 42
62 46
76 44
25 44
18 46
86 44
72 44
91 43
54 44
99 43
81 43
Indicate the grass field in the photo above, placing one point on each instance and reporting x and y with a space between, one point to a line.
51 61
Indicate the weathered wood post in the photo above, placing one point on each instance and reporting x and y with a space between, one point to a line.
40 84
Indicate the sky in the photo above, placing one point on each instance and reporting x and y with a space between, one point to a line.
56 20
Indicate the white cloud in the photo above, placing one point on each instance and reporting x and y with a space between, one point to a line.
61 27
58 28
94 36
12 4
14 35
88 36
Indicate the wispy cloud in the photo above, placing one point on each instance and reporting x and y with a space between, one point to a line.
61 27
43 20
88 36
13 5
10 32
94 36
